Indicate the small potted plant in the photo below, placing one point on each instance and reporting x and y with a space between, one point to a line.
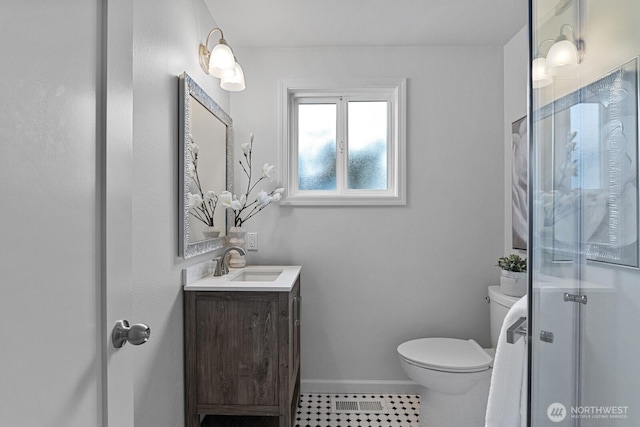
513 280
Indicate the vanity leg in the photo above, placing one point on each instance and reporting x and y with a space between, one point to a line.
284 420
192 420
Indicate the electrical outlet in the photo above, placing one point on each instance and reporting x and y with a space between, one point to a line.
252 241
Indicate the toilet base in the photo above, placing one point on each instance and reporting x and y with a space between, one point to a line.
447 410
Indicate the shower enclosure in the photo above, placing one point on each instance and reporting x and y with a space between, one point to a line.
583 221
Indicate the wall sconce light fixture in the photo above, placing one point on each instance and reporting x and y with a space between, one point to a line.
234 83
563 56
220 62
539 75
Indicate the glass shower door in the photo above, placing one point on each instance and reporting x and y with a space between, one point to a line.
583 249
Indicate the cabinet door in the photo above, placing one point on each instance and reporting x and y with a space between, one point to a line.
294 334
296 326
237 349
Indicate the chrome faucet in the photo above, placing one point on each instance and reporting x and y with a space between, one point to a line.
222 266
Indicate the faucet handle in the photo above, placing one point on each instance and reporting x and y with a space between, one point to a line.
219 261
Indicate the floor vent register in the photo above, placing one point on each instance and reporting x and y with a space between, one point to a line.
342 405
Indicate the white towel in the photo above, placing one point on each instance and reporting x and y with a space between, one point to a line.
507 405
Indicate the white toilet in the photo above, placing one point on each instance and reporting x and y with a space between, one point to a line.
455 374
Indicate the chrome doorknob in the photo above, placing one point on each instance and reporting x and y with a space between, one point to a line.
136 334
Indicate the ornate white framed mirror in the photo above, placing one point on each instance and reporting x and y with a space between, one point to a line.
206 169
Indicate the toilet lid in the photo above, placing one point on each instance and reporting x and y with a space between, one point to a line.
446 354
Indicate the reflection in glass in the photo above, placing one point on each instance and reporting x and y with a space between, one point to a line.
208 134
584 123
589 139
317 146
367 136
584 181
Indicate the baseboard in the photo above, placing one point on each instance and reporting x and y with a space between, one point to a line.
359 386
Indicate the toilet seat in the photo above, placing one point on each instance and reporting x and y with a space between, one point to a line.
446 355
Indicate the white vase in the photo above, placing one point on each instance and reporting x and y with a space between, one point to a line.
513 284
211 233
237 238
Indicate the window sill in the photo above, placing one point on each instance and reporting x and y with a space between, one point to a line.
343 200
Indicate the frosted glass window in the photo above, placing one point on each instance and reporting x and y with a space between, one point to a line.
367 145
586 155
343 143
317 146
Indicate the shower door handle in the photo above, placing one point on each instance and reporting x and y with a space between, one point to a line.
582 299
546 336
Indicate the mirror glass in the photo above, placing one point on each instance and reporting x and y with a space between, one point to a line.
206 147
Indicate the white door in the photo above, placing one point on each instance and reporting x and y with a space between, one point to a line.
65 213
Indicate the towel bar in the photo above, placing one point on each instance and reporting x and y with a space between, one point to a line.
517 330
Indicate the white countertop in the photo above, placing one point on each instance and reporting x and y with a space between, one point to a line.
283 283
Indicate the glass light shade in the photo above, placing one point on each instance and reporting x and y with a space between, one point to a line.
539 75
562 57
222 63
234 83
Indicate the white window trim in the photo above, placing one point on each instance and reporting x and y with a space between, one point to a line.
390 89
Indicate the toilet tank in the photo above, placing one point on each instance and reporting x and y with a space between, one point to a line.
499 305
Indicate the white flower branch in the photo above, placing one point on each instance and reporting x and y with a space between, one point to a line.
202 206
243 211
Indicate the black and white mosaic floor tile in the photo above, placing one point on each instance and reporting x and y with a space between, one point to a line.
315 411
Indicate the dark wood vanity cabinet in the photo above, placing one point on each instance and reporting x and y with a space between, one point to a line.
242 357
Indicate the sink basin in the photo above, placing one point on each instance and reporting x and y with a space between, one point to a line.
252 278
257 276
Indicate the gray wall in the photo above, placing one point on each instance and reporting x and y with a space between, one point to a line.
166 38
374 277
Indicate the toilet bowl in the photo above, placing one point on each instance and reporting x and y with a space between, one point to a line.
454 374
